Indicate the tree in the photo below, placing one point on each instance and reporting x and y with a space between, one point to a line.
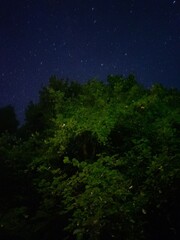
101 161
8 120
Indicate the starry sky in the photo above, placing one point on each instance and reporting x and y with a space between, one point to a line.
83 39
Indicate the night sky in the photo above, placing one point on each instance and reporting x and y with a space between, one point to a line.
83 39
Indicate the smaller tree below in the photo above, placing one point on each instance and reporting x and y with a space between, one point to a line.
8 120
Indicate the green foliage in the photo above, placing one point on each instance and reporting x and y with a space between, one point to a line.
97 194
94 161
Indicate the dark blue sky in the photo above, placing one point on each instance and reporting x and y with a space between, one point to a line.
84 39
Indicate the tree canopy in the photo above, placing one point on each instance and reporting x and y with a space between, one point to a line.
93 161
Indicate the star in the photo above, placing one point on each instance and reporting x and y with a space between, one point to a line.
70 55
